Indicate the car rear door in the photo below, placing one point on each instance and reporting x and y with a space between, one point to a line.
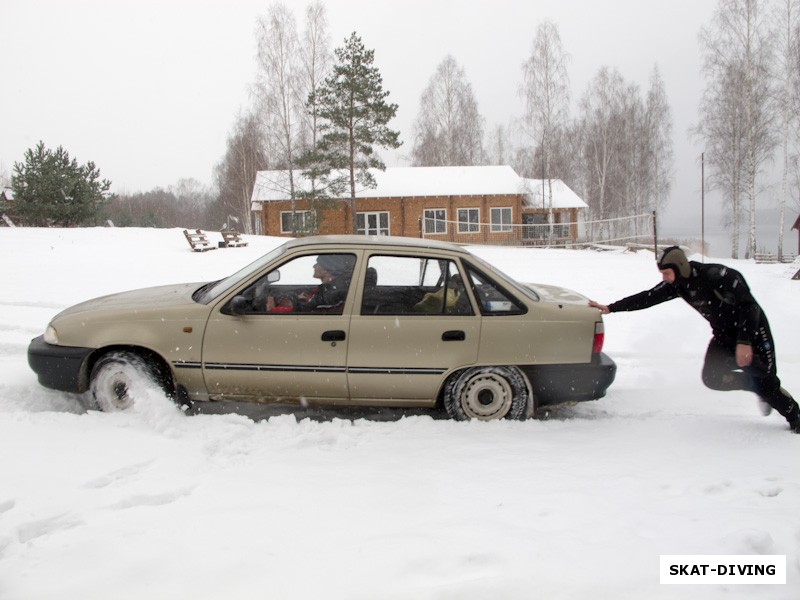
413 323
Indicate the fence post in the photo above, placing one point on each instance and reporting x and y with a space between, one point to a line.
655 235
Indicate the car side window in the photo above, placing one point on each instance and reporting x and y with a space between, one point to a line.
493 300
311 284
411 285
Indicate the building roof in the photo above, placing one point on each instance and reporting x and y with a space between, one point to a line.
563 196
397 182
410 182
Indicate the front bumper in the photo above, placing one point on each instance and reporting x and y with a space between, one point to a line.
553 384
58 367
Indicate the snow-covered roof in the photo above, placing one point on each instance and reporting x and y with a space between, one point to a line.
409 182
563 196
396 182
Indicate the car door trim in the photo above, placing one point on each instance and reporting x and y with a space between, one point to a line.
396 371
311 369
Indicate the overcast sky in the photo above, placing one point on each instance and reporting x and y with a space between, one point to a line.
149 90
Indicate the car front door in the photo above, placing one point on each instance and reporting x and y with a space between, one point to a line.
283 337
412 325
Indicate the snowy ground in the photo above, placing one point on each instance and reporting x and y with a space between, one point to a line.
156 504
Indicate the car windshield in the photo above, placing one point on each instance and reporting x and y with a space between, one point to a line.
490 268
212 291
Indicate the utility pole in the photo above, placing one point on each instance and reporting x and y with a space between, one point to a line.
703 205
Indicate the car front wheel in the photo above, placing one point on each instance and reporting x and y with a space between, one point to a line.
120 378
488 394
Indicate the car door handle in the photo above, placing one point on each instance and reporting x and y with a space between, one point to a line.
335 335
455 335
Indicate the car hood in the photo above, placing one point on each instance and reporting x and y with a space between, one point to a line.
557 295
145 298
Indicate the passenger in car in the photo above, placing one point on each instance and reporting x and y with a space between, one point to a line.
445 299
334 272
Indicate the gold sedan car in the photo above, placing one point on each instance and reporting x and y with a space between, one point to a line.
338 320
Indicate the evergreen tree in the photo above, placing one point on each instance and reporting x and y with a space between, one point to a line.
351 104
52 189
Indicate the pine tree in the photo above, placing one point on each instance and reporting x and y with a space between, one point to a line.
351 104
52 189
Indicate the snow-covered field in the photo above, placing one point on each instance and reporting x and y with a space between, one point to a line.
157 504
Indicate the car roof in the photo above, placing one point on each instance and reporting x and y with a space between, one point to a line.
376 241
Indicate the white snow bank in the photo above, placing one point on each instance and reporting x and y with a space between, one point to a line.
155 504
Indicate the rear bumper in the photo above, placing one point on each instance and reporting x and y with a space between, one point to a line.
58 367
553 384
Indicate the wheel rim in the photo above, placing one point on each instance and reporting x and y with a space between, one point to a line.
487 396
116 386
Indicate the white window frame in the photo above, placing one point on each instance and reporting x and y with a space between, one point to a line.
469 225
300 215
436 220
499 224
380 230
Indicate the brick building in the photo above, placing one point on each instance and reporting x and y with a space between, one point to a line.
490 204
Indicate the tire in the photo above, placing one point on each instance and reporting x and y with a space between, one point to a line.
119 378
488 394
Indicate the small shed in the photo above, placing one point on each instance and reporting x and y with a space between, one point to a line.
6 207
550 210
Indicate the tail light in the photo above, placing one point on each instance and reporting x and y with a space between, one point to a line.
599 337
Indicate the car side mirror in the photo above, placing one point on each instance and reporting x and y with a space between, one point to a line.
273 276
239 305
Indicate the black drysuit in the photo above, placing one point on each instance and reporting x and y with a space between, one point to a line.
723 297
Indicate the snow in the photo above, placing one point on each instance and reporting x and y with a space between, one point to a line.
152 503
408 182
555 194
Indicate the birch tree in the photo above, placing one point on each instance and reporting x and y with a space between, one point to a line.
236 173
723 130
279 76
787 73
546 93
601 128
634 177
499 150
658 128
737 104
448 130
316 63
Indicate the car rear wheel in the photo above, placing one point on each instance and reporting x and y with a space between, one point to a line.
488 394
120 378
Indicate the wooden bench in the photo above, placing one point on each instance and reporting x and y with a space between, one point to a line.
198 240
232 239
765 258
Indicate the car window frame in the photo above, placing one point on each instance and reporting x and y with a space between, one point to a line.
497 284
214 291
454 260
226 305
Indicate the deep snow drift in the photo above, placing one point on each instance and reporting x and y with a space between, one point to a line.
157 504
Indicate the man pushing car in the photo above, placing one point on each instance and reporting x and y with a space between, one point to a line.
741 353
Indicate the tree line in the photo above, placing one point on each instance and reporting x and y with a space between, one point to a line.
749 115
324 113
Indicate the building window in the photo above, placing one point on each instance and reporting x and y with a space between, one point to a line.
303 222
469 220
501 219
372 223
536 226
435 220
